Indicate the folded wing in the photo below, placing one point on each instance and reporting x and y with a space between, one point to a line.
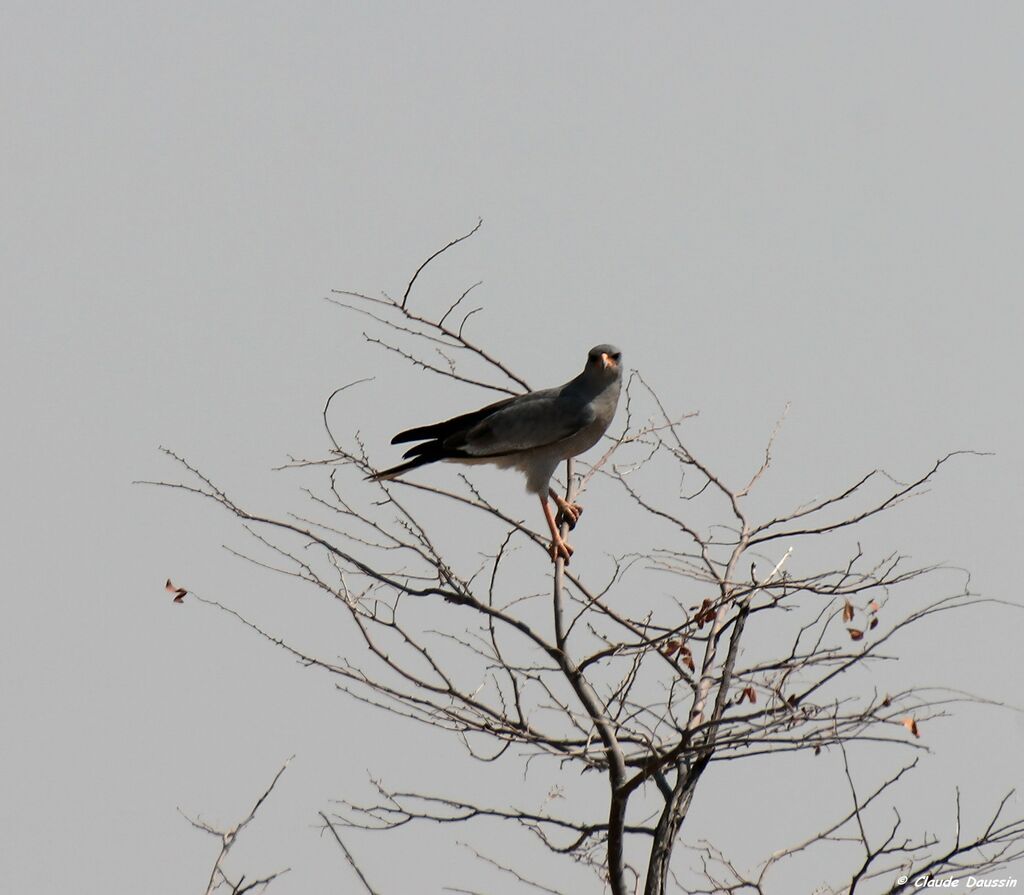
456 424
508 427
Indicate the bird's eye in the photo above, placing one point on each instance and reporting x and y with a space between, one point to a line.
617 355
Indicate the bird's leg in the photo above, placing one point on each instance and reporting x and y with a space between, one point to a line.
569 513
558 546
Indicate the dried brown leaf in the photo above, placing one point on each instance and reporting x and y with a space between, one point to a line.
687 657
911 725
706 615
179 592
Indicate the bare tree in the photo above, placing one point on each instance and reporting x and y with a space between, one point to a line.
219 880
646 693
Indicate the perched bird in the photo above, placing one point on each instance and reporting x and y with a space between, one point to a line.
532 432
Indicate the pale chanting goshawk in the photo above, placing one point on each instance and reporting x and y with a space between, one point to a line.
532 433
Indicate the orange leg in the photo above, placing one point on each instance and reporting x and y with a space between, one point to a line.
558 546
567 512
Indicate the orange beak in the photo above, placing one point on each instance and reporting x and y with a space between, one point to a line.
607 361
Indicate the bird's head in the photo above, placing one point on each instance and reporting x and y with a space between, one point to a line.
606 361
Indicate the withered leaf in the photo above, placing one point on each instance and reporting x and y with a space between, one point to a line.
873 624
873 607
856 633
687 657
706 613
911 725
847 611
179 592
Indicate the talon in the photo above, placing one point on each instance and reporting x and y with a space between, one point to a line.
568 513
561 549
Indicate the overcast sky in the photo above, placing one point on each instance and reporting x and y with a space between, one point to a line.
812 203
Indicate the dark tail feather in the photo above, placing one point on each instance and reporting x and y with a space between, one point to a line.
432 449
395 471
443 430
420 433
421 455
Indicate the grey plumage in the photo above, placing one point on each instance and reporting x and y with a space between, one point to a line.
532 432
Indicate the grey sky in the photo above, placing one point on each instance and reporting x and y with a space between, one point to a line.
760 203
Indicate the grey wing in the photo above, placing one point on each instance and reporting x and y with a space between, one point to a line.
524 425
